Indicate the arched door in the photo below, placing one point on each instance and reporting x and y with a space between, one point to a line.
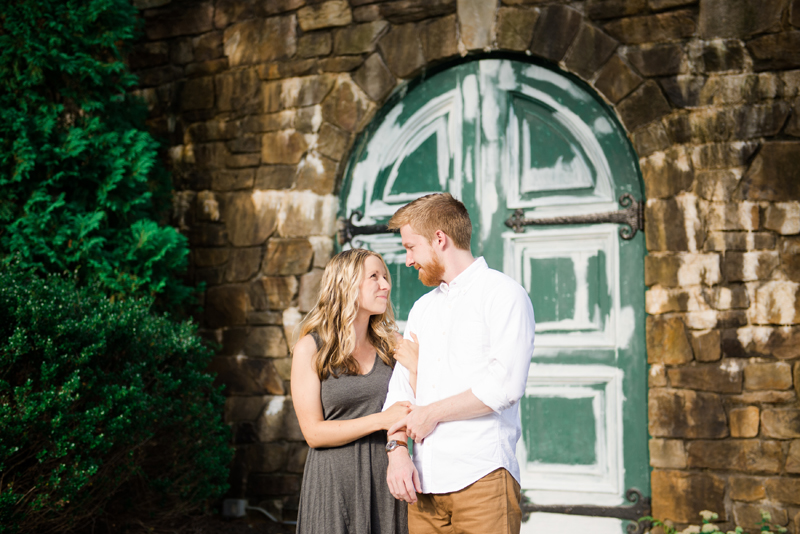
504 136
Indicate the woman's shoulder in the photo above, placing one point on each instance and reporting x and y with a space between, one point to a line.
308 345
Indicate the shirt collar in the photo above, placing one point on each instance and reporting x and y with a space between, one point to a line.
461 282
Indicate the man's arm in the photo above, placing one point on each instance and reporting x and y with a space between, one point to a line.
423 419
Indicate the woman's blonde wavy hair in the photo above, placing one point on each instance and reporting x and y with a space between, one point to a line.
335 311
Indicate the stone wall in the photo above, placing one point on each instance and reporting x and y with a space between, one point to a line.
260 102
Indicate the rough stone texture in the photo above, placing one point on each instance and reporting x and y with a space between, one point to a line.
554 32
611 9
666 226
721 55
402 50
776 375
324 15
345 107
776 51
475 21
358 39
774 174
257 40
250 217
171 22
706 346
404 11
374 78
287 256
781 424
749 266
675 413
744 422
681 496
746 488
314 44
661 59
793 458
244 263
783 218
515 28
667 173
647 103
717 378
785 490
750 514
739 18
653 28
616 79
667 341
226 306
439 39
590 50
737 454
667 453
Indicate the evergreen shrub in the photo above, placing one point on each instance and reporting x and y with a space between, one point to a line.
105 409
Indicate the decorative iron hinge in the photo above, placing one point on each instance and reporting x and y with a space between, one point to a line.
348 230
640 508
632 217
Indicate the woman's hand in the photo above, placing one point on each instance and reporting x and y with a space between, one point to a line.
407 353
396 411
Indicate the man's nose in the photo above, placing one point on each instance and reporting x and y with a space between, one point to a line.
409 261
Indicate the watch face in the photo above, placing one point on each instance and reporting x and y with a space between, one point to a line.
392 445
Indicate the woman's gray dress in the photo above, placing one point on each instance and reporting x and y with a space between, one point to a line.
344 488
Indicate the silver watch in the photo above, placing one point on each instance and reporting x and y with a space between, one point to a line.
393 444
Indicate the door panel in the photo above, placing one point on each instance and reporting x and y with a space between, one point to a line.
502 135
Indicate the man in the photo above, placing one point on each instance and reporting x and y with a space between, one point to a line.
475 334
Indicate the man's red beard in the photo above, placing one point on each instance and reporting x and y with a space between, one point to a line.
431 274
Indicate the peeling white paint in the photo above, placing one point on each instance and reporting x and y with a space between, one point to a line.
656 370
731 365
602 126
290 91
626 327
775 303
656 300
232 43
750 264
312 160
701 320
791 221
268 200
291 321
724 298
758 335
691 219
275 406
698 269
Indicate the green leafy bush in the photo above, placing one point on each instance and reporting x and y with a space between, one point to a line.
82 187
105 409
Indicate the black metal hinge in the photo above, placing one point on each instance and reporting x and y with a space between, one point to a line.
632 216
640 508
348 230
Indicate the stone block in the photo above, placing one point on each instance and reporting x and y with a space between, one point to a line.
267 457
706 346
366 13
657 59
251 217
324 15
749 266
278 421
731 297
308 120
718 378
297 458
739 19
650 138
793 458
243 264
667 454
675 413
668 26
284 147
210 277
612 9
744 488
240 161
309 290
685 90
785 490
208 235
346 107
207 206
260 40
209 257
475 22
172 22
439 38
404 11
317 173
515 29
402 50
616 79
232 180
793 126
275 177
359 38
159 75
646 104
375 78
273 7
244 144
716 185
260 318
661 5
667 341
780 424
291 324
340 63
790 258
226 306
332 142
667 173
777 303
765 397
762 120
747 455
778 342
229 11
238 91
180 52
774 174
722 56
279 291
323 250
712 125
744 422
555 30
657 377
314 44
288 69
240 409
750 514
266 341
146 55
740 241
287 256
775 51
783 218
284 366
307 214
673 224
680 496
214 130
733 216
306 90
208 46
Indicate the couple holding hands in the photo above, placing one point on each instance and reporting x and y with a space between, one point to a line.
452 384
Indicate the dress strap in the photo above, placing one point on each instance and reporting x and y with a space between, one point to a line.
317 339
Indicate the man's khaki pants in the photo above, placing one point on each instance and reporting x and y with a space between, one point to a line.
488 506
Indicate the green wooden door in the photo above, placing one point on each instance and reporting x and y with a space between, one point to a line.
502 135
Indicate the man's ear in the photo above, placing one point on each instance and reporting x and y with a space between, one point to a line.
440 240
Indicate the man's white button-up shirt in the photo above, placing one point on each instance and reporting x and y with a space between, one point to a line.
475 333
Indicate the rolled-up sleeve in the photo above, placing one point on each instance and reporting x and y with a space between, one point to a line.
511 328
400 383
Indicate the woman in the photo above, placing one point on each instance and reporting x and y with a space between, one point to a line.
340 374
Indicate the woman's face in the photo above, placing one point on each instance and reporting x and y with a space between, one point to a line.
373 294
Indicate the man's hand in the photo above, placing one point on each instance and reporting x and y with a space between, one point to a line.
418 424
402 476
